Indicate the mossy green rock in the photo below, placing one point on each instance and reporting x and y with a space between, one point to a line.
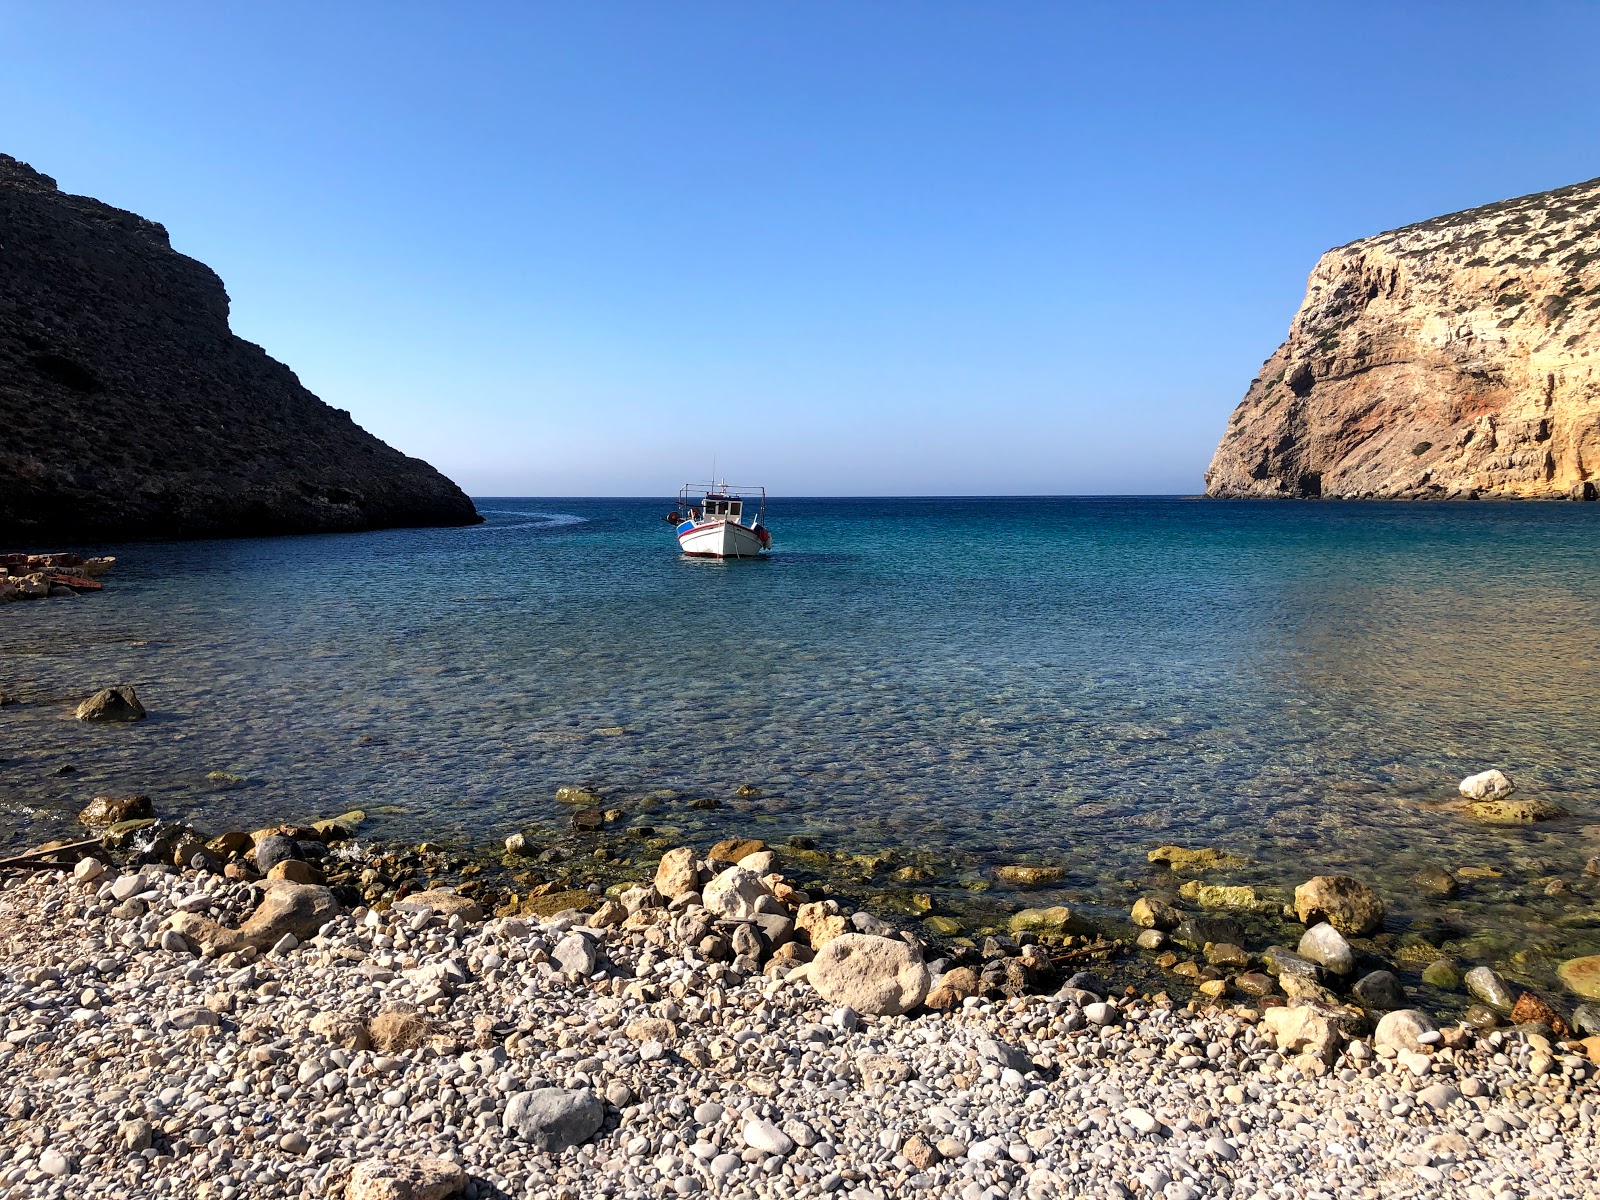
1056 919
1205 858
1515 812
943 926
1238 898
1442 974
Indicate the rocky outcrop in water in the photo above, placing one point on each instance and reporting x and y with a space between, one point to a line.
1455 358
129 408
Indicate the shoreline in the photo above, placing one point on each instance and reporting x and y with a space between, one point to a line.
229 1037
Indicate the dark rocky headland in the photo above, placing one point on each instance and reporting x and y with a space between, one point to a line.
130 410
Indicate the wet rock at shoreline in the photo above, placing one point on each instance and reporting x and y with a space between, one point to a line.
1349 905
1149 912
1487 785
1056 919
1485 984
111 704
1195 931
1325 945
1581 976
1379 990
273 849
105 811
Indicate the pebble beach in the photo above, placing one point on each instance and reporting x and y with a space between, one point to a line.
170 1032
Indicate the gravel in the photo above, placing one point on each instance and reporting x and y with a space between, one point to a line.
705 1078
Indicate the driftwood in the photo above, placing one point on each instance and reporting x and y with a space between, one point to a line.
33 860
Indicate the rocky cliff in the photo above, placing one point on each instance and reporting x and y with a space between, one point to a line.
128 409
1451 359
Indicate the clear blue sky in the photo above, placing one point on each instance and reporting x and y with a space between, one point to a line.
864 247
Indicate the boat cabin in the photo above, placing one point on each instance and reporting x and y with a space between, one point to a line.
723 506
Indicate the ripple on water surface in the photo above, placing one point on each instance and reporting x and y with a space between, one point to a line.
1070 681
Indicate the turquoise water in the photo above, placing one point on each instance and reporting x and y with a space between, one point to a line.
1054 680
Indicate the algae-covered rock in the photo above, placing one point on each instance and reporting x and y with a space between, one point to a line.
1441 973
1057 919
1240 897
1581 976
1205 858
1515 812
1028 876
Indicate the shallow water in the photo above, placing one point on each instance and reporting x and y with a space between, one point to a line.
1059 680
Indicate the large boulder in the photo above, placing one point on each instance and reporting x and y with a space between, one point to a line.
428 1179
1348 904
111 704
297 908
1301 1029
554 1119
877 976
677 874
1487 785
1581 976
734 894
1403 1029
1326 946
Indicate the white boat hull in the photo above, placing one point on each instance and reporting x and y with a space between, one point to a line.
719 539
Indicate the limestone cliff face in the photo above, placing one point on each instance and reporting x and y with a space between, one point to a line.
1454 358
129 409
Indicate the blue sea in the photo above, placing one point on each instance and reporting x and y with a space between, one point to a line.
984 681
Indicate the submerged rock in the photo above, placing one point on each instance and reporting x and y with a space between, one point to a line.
1435 881
1025 876
1515 812
1179 858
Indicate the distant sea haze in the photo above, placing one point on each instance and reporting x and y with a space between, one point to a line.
1056 680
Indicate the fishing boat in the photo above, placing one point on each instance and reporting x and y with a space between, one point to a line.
716 521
